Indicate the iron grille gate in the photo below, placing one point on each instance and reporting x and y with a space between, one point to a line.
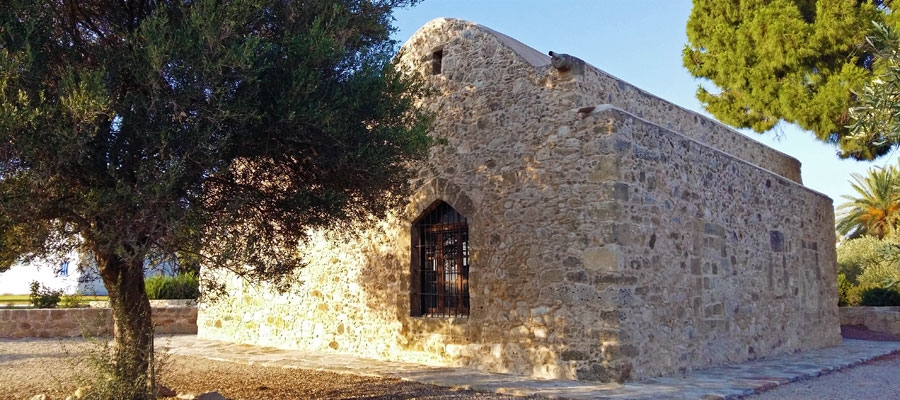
444 263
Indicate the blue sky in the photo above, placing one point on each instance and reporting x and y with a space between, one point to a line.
639 42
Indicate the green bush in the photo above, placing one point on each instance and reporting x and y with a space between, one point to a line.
866 264
856 256
42 297
99 369
164 287
877 275
71 300
845 287
880 297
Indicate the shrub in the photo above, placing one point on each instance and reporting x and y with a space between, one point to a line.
181 286
880 297
71 300
866 264
856 256
850 295
854 295
845 287
99 370
876 275
42 297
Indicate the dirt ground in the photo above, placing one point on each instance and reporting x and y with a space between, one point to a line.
52 367
30 367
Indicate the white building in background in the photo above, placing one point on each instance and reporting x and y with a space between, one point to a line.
63 275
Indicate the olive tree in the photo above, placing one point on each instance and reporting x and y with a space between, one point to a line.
149 129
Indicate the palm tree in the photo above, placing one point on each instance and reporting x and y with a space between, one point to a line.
876 211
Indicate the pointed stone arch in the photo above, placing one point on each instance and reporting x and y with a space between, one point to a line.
439 273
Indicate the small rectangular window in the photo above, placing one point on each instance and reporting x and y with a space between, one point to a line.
436 59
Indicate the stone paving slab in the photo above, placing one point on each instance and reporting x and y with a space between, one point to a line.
730 381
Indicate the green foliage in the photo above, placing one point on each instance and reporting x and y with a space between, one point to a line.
794 60
880 297
181 286
845 289
251 122
857 255
851 295
98 366
875 117
104 381
864 264
876 209
26 299
137 131
43 297
71 300
892 284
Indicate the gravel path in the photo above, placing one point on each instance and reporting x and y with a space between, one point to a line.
876 379
51 367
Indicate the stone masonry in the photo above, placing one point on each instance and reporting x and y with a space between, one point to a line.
611 235
68 322
880 319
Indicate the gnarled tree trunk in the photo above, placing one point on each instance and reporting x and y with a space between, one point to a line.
133 329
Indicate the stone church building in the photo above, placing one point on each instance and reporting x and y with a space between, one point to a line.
572 226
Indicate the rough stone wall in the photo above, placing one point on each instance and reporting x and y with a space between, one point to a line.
597 87
348 299
590 86
719 260
68 322
880 319
510 168
562 207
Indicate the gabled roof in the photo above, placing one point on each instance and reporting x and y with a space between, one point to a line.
587 86
530 55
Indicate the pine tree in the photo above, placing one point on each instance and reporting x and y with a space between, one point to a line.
801 61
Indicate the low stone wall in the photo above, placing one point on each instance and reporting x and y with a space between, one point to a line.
881 319
66 322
